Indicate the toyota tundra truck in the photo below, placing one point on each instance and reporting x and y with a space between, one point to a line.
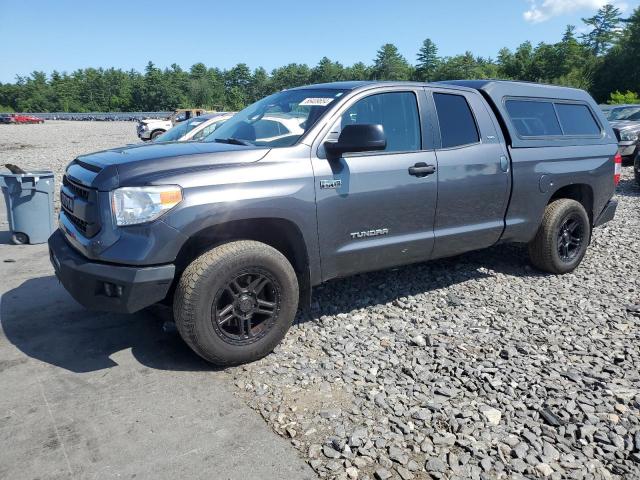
234 232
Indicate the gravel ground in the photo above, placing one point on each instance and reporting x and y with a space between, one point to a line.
472 367
476 366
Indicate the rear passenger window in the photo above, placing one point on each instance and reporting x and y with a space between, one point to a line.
397 112
533 119
457 125
577 119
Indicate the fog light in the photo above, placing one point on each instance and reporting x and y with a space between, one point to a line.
112 289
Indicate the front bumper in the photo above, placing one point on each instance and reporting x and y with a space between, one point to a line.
104 286
607 214
143 133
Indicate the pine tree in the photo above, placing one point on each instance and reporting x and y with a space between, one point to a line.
604 29
428 61
390 65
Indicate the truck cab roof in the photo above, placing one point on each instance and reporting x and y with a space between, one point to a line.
499 94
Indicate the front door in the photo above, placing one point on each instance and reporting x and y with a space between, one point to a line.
373 212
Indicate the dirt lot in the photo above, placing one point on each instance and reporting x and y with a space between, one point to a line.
471 367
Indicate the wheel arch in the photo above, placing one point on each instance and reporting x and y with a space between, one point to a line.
279 233
581 193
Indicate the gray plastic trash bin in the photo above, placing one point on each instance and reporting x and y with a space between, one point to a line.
29 201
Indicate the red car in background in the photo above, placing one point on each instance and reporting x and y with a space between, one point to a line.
24 118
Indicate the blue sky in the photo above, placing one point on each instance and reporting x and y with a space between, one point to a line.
70 34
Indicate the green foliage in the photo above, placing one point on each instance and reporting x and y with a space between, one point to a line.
390 65
619 69
567 62
604 29
464 67
623 98
604 59
327 71
428 61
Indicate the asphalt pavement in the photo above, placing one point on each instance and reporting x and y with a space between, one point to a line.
99 395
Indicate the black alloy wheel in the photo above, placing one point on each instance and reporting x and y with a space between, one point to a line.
247 307
570 238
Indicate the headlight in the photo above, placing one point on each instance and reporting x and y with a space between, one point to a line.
134 205
629 136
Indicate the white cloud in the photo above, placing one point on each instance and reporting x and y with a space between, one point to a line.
543 10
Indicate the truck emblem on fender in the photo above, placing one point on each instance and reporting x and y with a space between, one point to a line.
334 183
370 233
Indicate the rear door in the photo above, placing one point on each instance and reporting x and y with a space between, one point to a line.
372 212
473 173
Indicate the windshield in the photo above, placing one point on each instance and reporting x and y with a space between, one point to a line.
627 113
176 133
278 120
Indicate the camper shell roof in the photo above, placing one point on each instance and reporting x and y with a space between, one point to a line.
498 92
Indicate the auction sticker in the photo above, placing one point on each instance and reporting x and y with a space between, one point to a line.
316 102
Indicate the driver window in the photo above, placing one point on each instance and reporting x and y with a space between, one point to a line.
397 112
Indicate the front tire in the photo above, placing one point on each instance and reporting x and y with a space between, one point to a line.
156 133
236 302
562 238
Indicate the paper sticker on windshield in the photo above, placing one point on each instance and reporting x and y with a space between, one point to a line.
316 102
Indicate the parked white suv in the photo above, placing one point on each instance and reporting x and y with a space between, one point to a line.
150 128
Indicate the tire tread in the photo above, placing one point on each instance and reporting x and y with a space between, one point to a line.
541 250
188 293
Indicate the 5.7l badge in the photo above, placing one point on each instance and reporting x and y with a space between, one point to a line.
333 183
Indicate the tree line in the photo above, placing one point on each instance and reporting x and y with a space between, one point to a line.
603 60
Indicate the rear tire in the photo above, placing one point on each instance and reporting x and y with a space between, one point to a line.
562 238
236 302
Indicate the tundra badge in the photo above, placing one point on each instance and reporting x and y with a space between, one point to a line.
370 233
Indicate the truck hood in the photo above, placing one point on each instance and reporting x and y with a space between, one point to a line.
153 120
142 164
622 125
157 122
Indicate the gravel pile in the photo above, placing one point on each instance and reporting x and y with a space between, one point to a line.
472 367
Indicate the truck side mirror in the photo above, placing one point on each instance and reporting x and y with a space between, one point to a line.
357 138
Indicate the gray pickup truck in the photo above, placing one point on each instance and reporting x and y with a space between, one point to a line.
235 231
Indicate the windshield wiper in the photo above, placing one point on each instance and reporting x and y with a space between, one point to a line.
234 141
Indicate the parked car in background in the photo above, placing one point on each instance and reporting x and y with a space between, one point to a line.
276 126
625 120
150 128
25 118
195 128
7 118
235 231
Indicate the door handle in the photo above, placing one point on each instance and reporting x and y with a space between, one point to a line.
421 169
